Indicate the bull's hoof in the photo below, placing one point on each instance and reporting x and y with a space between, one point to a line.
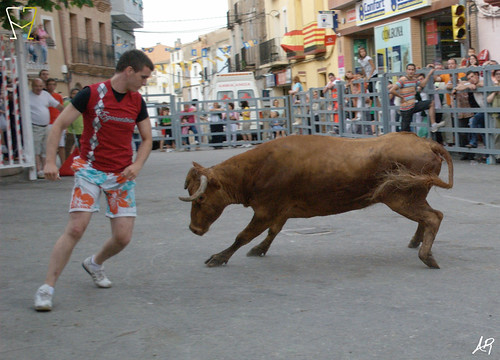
257 251
413 244
431 262
215 260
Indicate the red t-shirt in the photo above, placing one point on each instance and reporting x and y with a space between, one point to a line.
54 113
106 141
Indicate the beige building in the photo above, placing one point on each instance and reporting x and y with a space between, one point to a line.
295 45
79 47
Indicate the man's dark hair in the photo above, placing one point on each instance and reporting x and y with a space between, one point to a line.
411 64
135 58
472 72
41 71
50 80
454 60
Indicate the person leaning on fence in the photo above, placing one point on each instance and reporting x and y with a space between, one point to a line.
296 88
216 120
192 121
476 100
368 66
245 123
494 100
166 122
234 116
405 89
110 109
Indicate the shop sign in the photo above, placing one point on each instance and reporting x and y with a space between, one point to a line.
368 11
393 44
270 80
351 15
284 77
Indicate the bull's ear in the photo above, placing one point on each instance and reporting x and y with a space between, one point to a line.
212 180
198 167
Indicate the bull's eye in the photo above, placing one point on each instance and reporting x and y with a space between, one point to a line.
201 198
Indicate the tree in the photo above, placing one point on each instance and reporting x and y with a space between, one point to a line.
48 5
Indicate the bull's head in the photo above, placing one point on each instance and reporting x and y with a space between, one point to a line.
205 196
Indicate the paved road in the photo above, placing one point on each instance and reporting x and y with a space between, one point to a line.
343 287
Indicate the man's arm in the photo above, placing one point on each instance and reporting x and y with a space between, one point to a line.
132 171
461 86
491 96
68 115
424 82
394 88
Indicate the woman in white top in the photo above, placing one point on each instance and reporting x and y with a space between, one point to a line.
368 66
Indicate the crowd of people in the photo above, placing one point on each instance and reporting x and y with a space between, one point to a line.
415 105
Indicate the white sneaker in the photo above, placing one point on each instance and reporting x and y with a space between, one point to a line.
43 298
436 126
99 277
40 175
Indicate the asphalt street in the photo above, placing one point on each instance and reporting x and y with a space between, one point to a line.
338 287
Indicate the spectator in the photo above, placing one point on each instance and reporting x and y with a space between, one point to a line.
245 125
476 100
54 113
277 120
473 61
465 61
450 80
75 129
317 106
494 100
234 116
407 89
368 66
44 75
40 101
166 122
185 131
332 88
215 118
110 109
192 121
41 36
296 88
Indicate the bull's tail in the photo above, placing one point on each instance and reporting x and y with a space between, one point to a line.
402 179
442 153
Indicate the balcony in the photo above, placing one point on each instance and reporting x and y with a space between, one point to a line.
91 57
248 58
271 53
127 14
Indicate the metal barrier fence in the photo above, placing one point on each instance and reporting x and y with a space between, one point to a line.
343 112
15 118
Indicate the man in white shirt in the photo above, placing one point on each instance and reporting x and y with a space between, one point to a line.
40 101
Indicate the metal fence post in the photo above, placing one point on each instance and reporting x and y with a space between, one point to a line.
385 103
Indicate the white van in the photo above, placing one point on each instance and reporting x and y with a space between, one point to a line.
241 86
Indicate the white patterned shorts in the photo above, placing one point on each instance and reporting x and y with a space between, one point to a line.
120 193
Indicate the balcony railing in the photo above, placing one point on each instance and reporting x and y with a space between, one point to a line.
271 51
92 53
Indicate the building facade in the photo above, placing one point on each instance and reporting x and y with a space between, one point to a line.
126 15
420 32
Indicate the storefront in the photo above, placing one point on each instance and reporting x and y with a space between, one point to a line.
398 32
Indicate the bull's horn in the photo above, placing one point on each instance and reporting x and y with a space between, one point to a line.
201 190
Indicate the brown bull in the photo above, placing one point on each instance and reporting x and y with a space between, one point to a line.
306 176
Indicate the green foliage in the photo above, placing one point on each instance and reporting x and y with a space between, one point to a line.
48 5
